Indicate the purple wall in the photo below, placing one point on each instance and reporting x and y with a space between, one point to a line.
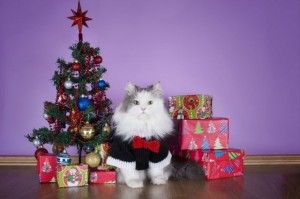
244 53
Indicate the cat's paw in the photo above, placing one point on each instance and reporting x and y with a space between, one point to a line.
159 180
135 183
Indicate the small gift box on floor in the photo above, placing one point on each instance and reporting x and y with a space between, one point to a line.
190 106
102 176
46 168
218 163
72 175
210 133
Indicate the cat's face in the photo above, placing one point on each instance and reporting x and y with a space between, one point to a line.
142 113
142 103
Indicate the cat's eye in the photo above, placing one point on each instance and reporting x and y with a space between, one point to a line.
135 102
150 102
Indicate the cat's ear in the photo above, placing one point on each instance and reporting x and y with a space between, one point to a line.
157 89
130 88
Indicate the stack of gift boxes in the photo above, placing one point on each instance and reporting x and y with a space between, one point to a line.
203 138
52 168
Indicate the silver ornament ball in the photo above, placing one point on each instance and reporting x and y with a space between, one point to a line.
45 115
68 84
36 142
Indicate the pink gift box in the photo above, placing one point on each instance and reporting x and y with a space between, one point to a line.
210 133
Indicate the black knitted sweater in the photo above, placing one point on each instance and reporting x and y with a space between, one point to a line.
123 152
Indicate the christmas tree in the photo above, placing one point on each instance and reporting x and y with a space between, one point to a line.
205 144
192 145
198 129
218 144
81 113
211 127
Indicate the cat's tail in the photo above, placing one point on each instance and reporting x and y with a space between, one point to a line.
184 169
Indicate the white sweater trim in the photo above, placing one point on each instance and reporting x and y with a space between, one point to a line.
162 164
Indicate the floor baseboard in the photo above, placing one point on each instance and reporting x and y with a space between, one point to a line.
249 160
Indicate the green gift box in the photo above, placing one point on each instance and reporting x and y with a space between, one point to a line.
72 175
190 106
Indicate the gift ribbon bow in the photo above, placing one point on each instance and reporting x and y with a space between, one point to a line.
141 143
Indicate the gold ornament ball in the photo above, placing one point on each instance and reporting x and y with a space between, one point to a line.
106 129
87 131
92 159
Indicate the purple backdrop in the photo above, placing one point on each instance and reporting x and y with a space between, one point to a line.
244 53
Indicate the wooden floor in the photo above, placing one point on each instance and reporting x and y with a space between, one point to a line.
259 182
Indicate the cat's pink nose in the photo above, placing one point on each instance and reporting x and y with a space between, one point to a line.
143 109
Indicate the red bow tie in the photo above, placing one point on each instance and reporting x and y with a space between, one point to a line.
139 143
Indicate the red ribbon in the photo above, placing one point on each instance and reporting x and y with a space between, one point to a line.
141 143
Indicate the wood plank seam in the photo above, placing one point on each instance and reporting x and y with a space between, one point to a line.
249 160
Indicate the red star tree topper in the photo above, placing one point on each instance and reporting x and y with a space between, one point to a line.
79 19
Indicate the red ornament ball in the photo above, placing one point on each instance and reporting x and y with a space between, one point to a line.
75 66
51 120
40 151
97 59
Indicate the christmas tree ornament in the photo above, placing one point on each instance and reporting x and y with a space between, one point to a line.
92 159
79 19
36 142
103 151
88 87
57 148
102 84
68 84
88 149
75 74
75 66
76 86
97 98
106 129
46 116
97 59
62 97
83 103
63 159
51 120
40 151
75 120
87 131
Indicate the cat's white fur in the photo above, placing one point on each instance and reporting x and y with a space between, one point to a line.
144 120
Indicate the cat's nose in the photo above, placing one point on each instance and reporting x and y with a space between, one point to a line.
143 109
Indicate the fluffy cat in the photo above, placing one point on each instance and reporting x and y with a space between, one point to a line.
138 149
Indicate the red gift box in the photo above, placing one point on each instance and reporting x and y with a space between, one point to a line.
100 177
204 134
46 168
218 163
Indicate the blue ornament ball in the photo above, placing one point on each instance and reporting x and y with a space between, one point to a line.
83 103
102 84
